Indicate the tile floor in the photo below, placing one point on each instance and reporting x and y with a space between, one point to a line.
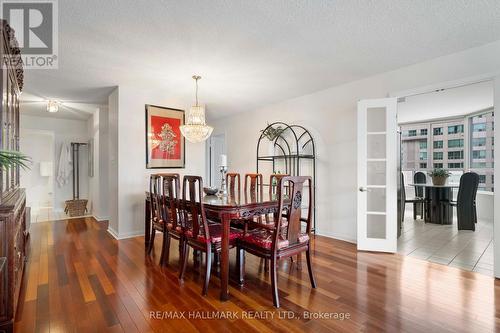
444 244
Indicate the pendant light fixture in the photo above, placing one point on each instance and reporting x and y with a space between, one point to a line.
196 130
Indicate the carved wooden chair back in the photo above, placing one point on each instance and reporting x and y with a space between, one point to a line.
156 202
194 219
273 183
253 186
233 180
292 231
171 193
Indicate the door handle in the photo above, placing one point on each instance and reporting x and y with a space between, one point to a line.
363 189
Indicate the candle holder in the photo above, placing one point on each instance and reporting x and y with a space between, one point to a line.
223 185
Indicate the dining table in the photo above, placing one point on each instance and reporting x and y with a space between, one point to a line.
435 195
226 209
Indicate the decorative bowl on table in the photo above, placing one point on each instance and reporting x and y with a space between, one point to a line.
210 190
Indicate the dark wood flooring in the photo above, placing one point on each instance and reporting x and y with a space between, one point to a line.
80 279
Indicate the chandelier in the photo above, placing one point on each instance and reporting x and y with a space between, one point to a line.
196 130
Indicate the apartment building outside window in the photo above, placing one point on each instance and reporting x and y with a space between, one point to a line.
442 144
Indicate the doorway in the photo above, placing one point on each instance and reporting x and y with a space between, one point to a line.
39 179
452 130
216 146
377 185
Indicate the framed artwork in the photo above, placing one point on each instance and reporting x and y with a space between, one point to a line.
165 145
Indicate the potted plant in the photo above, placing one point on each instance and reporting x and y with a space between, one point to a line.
439 176
271 133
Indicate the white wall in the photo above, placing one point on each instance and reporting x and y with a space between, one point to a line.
39 146
67 131
128 159
98 184
330 115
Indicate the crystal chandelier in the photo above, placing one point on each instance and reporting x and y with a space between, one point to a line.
196 130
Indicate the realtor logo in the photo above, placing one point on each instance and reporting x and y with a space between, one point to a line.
35 25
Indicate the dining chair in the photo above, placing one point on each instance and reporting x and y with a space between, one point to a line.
415 201
419 207
273 183
253 186
281 242
232 180
199 234
155 208
174 228
466 201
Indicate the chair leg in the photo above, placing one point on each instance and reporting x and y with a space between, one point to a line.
152 241
274 282
309 268
414 210
207 269
165 248
240 262
185 255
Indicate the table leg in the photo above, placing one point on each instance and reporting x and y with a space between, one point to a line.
147 224
224 264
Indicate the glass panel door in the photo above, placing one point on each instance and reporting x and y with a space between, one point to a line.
377 175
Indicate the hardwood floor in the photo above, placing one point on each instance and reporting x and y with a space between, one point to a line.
79 279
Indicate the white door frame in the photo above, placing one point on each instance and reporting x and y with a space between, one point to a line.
495 78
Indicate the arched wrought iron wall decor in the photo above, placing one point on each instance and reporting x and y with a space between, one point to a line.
291 149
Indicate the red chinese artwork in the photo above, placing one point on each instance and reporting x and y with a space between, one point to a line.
164 142
166 135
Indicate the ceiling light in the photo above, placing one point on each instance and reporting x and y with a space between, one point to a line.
52 106
196 130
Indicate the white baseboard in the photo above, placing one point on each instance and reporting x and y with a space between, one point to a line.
125 235
344 238
101 218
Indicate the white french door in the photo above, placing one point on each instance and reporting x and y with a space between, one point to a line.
377 175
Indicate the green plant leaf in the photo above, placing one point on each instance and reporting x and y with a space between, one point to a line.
9 159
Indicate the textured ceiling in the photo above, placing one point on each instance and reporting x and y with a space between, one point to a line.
250 53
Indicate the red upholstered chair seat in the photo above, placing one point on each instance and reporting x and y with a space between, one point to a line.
263 238
215 231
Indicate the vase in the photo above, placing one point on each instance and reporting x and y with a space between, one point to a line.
439 180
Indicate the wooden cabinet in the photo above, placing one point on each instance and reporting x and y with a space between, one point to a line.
13 231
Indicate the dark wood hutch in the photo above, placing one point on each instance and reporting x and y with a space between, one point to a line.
13 228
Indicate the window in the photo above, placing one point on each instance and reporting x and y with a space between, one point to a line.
481 161
455 129
438 155
423 144
438 131
423 165
456 143
423 131
481 127
478 165
423 155
438 165
438 144
455 165
478 142
412 133
456 155
478 154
